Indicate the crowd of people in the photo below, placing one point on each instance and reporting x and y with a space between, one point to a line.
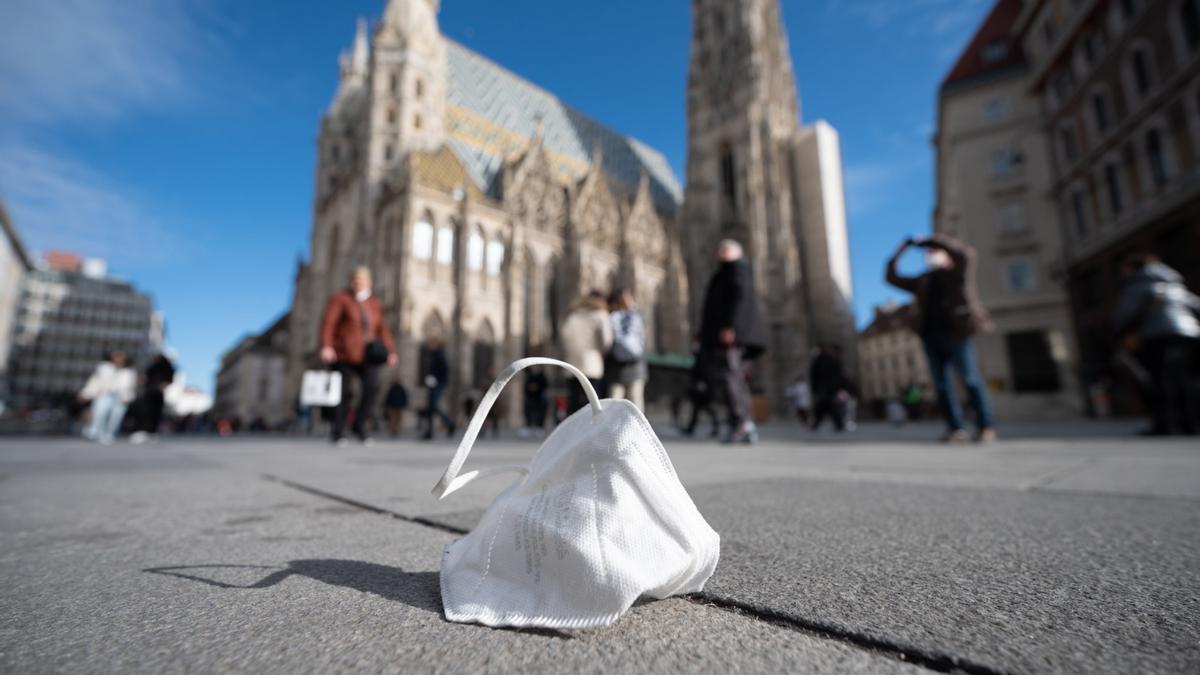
111 395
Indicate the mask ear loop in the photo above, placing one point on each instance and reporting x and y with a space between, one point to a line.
450 480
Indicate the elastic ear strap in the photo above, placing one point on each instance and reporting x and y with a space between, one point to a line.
450 480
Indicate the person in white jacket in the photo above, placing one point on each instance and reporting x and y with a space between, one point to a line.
586 337
110 389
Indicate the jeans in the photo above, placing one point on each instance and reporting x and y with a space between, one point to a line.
725 373
434 409
369 378
1170 399
944 352
107 412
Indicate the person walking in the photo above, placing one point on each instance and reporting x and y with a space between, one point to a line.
731 333
356 340
700 395
1160 313
800 395
828 387
395 402
948 315
109 389
587 336
536 401
437 378
159 375
627 374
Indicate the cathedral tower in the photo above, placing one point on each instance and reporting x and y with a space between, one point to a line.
755 175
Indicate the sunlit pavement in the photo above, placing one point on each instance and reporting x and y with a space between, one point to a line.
1059 549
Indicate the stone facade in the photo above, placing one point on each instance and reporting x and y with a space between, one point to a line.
483 204
756 175
251 381
890 357
992 166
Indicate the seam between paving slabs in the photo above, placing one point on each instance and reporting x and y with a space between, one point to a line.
930 660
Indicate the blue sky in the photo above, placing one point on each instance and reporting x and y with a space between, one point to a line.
175 138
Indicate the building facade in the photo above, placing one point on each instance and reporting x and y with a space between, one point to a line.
756 175
70 315
891 357
484 205
252 379
1118 87
14 265
993 165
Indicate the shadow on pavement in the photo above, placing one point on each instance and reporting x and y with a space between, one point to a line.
415 589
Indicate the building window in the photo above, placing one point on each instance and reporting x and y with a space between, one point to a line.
1112 185
1100 111
1004 163
423 239
1019 276
475 252
417 122
388 151
1156 157
445 245
1079 212
393 83
1068 142
996 110
495 258
1032 362
994 51
728 175
1012 218
1189 20
419 88
1139 65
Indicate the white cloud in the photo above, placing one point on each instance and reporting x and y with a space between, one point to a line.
874 184
84 60
914 18
58 203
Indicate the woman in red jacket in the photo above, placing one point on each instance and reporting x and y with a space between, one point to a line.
356 340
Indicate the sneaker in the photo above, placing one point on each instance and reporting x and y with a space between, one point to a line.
139 437
955 437
986 435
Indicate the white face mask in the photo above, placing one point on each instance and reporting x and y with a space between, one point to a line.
598 520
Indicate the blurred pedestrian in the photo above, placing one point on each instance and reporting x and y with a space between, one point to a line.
159 375
799 393
587 336
1160 313
355 338
627 375
731 334
700 395
436 379
895 413
828 388
536 401
395 402
948 315
109 390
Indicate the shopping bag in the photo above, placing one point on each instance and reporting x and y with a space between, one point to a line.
321 388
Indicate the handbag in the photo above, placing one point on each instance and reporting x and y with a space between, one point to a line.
375 352
597 520
321 388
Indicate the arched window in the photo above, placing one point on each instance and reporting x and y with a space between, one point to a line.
445 245
393 83
423 238
417 121
729 175
475 251
1100 105
495 257
1112 188
1140 72
1156 158
419 88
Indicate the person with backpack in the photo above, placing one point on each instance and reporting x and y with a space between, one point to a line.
627 372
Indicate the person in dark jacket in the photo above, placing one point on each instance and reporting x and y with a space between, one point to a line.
828 388
436 379
159 375
1160 314
356 340
948 315
731 333
537 400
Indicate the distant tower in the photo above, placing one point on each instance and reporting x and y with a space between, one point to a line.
755 175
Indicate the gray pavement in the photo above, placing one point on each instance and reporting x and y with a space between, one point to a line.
1059 550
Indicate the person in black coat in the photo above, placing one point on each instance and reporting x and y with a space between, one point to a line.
828 387
732 332
159 375
436 379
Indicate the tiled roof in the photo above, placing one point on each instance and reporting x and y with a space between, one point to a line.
515 106
997 29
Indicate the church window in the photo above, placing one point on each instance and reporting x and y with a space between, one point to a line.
388 151
393 83
495 257
416 121
423 239
445 245
475 252
419 88
391 115
728 175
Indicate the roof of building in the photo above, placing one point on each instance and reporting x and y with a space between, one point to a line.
889 319
993 49
503 111
14 240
